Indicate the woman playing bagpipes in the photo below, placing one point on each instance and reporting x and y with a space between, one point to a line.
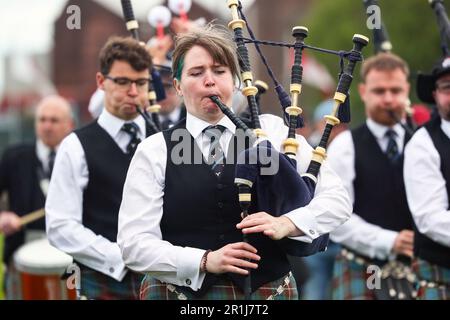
180 219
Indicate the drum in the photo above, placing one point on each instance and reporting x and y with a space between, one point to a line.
39 269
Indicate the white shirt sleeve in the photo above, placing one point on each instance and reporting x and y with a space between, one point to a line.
426 188
330 206
357 234
139 236
64 210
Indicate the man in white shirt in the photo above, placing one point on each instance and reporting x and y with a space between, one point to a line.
86 190
427 182
25 171
369 160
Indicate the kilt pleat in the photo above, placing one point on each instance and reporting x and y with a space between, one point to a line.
350 280
281 289
98 286
434 280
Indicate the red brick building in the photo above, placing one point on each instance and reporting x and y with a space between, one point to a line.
75 52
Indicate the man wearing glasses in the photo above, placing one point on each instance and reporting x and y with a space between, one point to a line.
427 182
86 190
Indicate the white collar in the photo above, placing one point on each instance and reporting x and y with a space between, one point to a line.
195 125
379 130
445 126
174 116
113 124
43 153
42 150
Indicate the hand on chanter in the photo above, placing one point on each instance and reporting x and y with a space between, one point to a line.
275 228
233 257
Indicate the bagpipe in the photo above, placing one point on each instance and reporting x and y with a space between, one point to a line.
286 190
443 24
381 43
426 82
150 114
159 17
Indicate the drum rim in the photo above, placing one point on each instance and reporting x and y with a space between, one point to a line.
38 268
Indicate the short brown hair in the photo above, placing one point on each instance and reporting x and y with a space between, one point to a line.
213 38
384 62
124 49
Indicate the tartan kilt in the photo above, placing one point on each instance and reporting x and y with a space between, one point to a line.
350 280
434 280
95 285
284 288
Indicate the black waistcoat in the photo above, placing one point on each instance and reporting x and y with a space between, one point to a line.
107 166
201 211
380 196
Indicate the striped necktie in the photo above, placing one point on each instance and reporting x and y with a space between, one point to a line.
216 156
132 129
392 148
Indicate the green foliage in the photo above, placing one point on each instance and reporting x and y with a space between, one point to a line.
411 26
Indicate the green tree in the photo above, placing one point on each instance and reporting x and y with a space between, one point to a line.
411 25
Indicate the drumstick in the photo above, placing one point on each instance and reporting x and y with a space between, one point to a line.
32 216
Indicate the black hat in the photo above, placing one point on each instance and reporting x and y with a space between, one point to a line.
426 82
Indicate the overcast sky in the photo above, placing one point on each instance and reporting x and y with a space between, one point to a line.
26 27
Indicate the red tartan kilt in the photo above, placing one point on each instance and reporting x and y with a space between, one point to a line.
224 289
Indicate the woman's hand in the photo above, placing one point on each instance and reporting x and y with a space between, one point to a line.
275 228
232 258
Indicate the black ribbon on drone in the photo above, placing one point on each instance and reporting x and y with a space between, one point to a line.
381 43
443 24
156 89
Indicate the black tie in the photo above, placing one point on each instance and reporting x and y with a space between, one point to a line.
166 124
51 162
392 147
132 129
216 155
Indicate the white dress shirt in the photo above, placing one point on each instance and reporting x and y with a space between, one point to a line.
141 210
64 205
357 234
43 153
426 187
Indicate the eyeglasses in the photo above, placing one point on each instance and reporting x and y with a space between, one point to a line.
125 83
443 87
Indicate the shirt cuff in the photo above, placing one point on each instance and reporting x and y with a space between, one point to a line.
188 272
385 243
115 267
306 222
